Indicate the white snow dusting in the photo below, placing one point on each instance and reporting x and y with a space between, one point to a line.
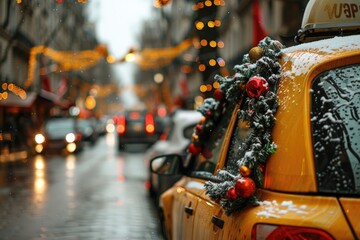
308 54
275 210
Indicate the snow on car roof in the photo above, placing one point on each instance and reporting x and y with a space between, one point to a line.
329 46
304 56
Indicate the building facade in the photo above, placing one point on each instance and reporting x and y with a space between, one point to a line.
35 37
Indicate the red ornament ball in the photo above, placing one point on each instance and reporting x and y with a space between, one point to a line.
199 128
245 187
193 149
231 194
256 86
218 94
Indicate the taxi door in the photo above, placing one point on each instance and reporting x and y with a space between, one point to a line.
185 203
208 218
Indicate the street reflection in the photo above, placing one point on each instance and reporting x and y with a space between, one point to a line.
40 183
70 166
110 139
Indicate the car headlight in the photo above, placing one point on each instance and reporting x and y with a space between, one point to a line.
70 137
39 138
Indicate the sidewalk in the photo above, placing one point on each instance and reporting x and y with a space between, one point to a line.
10 150
13 156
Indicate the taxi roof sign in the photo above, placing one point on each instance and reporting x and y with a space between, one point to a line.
329 18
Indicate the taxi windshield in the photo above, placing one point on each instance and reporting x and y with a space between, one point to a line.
335 121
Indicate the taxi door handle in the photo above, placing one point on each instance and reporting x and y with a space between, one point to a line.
189 210
217 221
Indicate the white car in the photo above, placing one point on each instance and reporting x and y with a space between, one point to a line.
175 139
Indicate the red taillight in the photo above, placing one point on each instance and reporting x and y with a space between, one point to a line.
278 232
149 123
121 124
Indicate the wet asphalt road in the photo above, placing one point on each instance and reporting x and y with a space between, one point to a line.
96 194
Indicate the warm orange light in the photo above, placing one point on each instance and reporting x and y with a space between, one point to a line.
203 88
202 67
203 42
4 95
212 62
110 59
208 3
90 102
211 24
216 84
196 44
213 43
160 3
199 25
221 44
217 23
208 87
219 2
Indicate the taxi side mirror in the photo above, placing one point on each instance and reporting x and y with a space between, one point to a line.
169 164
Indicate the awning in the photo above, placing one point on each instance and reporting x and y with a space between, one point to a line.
15 101
52 97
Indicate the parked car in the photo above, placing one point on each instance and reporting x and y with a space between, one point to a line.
104 125
278 154
59 134
175 139
88 128
135 126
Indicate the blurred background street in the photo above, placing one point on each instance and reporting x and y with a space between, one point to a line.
97 194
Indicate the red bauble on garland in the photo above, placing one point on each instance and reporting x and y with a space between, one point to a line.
199 128
193 149
245 187
218 94
256 86
231 194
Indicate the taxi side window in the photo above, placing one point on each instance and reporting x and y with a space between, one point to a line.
335 122
237 148
206 161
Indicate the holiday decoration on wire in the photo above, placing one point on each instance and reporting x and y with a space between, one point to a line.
255 79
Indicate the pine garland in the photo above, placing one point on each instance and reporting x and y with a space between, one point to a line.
255 79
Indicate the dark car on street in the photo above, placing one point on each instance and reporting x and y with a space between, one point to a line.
137 126
59 134
88 129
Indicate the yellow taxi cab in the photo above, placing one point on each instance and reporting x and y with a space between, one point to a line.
277 152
